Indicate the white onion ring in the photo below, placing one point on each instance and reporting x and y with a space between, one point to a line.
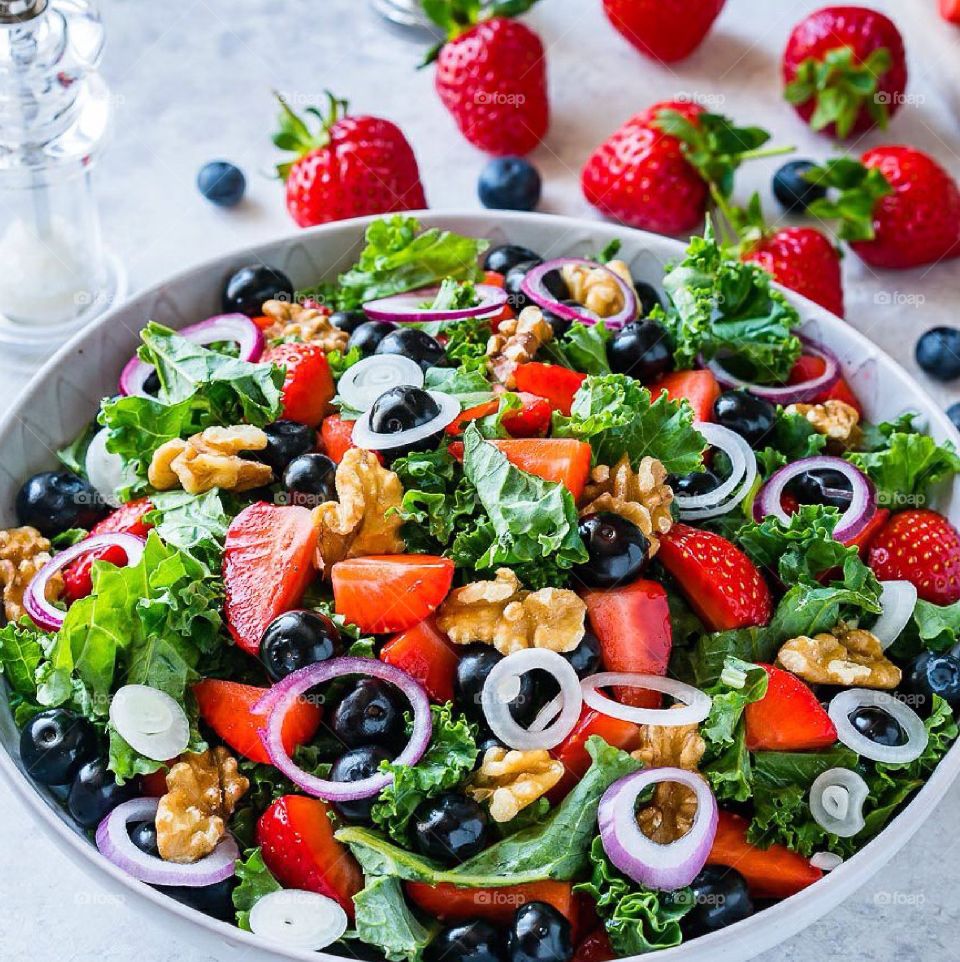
114 842
150 721
897 599
825 861
734 489
298 919
848 701
364 437
495 699
407 307
104 468
696 703
843 785
662 867
363 382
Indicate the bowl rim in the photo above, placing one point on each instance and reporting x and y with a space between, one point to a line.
776 922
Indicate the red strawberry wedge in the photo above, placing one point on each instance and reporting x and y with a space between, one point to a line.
788 718
308 385
700 388
267 565
721 584
921 547
664 30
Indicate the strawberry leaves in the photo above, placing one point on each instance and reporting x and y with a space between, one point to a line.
858 188
294 133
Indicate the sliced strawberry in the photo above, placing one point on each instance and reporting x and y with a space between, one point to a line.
595 948
551 381
382 593
129 518
308 386
632 624
424 653
227 707
154 785
808 366
295 835
457 426
531 421
721 584
863 540
496 279
921 547
267 565
788 718
455 904
700 388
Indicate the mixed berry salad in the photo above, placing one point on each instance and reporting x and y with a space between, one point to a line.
485 606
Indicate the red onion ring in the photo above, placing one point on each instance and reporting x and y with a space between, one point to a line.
663 867
115 844
35 603
863 504
409 307
533 286
800 393
282 697
221 327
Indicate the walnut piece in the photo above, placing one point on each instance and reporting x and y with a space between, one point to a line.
504 614
512 780
670 815
210 460
847 656
516 342
294 322
837 420
594 288
23 552
202 791
364 520
642 496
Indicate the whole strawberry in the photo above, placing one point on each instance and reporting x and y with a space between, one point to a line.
491 74
351 166
666 30
844 70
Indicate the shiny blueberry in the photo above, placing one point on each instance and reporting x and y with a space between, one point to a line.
286 440
55 745
415 344
648 297
296 639
512 281
151 383
555 285
54 501
144 836
94 793
353 766
938 353
485 740
585 659
401 408
450 828
931 674
501 259
878 725
248 289
749 416
474 941
640 349
369 714
222 183
559 325
348 321
539 933
720 898
694 483
792 189
366 336
617 549
214 900
309 480
509 183
822 486
476 662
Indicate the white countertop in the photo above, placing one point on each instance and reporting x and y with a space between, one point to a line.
192 83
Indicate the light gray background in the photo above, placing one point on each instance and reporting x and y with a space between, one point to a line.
192 82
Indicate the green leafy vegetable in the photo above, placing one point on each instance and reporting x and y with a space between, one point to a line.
74 455
453 294
21 651
384 919
255 882
793 439
938 626
468 384
194 523
584 347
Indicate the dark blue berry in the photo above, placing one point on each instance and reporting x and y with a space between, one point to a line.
54 501
55 745
249 288
539 934
938 353
791 188
509 183
95 793
222 183
450 828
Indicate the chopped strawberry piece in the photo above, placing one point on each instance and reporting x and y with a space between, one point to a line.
308 386
595 948
129 518
425 654
788 718
531 421
455 904
700 388
808 367
457 426
863 540
154 785
551 381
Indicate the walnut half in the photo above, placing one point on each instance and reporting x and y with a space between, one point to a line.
517 341
23 552
294 322
512 780
847 656
837 420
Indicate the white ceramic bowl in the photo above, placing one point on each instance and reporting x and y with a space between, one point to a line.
62 397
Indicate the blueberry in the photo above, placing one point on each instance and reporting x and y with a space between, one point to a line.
749 416
286 440
352 766
932 674
474 941
539 933
296 639
151 383
556 286
55 745
214 900
512 281
476 662
585 659
249 288
559 325
822 486
791 188
144 836
509 183
309 480
720 898
938 353
486 740
450 828
371 713
95 793
501 259
348 321
878 725
415 344
696 482
640 349
401 408
617 549
54 501
647 296
368 335
953 412
221 183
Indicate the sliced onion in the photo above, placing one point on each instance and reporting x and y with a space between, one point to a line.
297 918
533 286
825 861
696 704
863 502
222 327
150 721
734 489
836 801
502 685
897 599
284 695
409 306
848 701
104 468
664 867
788 393
365 437
113 841
365 381
35 603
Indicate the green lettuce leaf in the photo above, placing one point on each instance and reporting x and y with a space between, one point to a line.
793 439
21 651
384 919
584 347
937 626
469 385
255 882
194 523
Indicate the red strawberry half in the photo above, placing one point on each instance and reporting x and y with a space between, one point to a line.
788 718
666 30
308 384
